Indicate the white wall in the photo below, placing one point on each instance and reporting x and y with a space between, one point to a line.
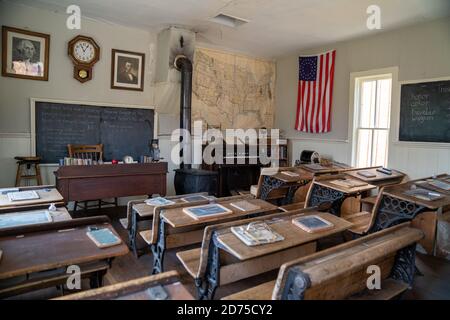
420 52
15 93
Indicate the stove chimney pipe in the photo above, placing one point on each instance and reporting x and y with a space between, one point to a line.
184 65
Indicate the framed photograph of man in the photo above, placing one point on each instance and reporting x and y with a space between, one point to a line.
127 70
25 54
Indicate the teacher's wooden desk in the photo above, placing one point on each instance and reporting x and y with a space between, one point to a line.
88 182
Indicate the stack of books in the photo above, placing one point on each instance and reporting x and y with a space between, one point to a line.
257 233
80 162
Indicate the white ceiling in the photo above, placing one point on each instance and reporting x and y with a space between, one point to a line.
276 27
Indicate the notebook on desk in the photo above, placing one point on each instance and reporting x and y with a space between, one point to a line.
424 194
366 174
440 184
158 201
23 195
104 238
206 211
194 198
312 223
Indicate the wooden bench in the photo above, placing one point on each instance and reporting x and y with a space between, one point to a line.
136 289
224 259
341 272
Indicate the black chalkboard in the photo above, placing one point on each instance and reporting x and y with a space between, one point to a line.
425 112
122 131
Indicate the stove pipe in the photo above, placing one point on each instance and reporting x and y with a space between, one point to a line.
184 65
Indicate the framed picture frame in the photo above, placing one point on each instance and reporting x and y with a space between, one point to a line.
127 70
25 54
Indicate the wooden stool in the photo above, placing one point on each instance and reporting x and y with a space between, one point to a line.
28 161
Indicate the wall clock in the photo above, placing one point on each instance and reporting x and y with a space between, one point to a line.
84 52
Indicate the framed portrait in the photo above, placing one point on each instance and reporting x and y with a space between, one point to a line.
127 70
25 54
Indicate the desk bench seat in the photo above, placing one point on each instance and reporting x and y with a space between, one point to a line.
190 259
389 289
15 286
360 221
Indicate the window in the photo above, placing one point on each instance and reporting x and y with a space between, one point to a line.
372 118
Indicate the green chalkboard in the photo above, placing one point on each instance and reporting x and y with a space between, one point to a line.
425 112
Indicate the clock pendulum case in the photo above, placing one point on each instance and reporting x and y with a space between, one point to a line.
84 52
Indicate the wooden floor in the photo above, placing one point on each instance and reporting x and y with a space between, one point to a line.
434 284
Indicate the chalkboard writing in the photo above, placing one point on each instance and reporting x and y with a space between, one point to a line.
425 112
122 131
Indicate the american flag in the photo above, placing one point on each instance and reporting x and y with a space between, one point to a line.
315 93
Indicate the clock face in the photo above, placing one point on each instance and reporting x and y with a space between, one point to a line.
84 51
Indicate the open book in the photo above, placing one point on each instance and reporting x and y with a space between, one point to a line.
349 183
23 195
244 205
256 233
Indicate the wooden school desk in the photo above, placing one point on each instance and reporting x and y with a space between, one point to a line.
324 191
137 289
279 180
172 228
224 259
318 169
380 179
398 207
139 210
87 182
47 195
29 251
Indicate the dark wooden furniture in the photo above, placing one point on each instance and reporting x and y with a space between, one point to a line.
137 289
37 256
341 272
88 152
82 183
380 179
30 163
223 258
172 228
47 195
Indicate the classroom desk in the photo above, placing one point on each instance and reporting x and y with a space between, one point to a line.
29 251
281 180
90 182
137 289
323 191
177 229
318 169
294 237
138 210
380 179
397 207
47 195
